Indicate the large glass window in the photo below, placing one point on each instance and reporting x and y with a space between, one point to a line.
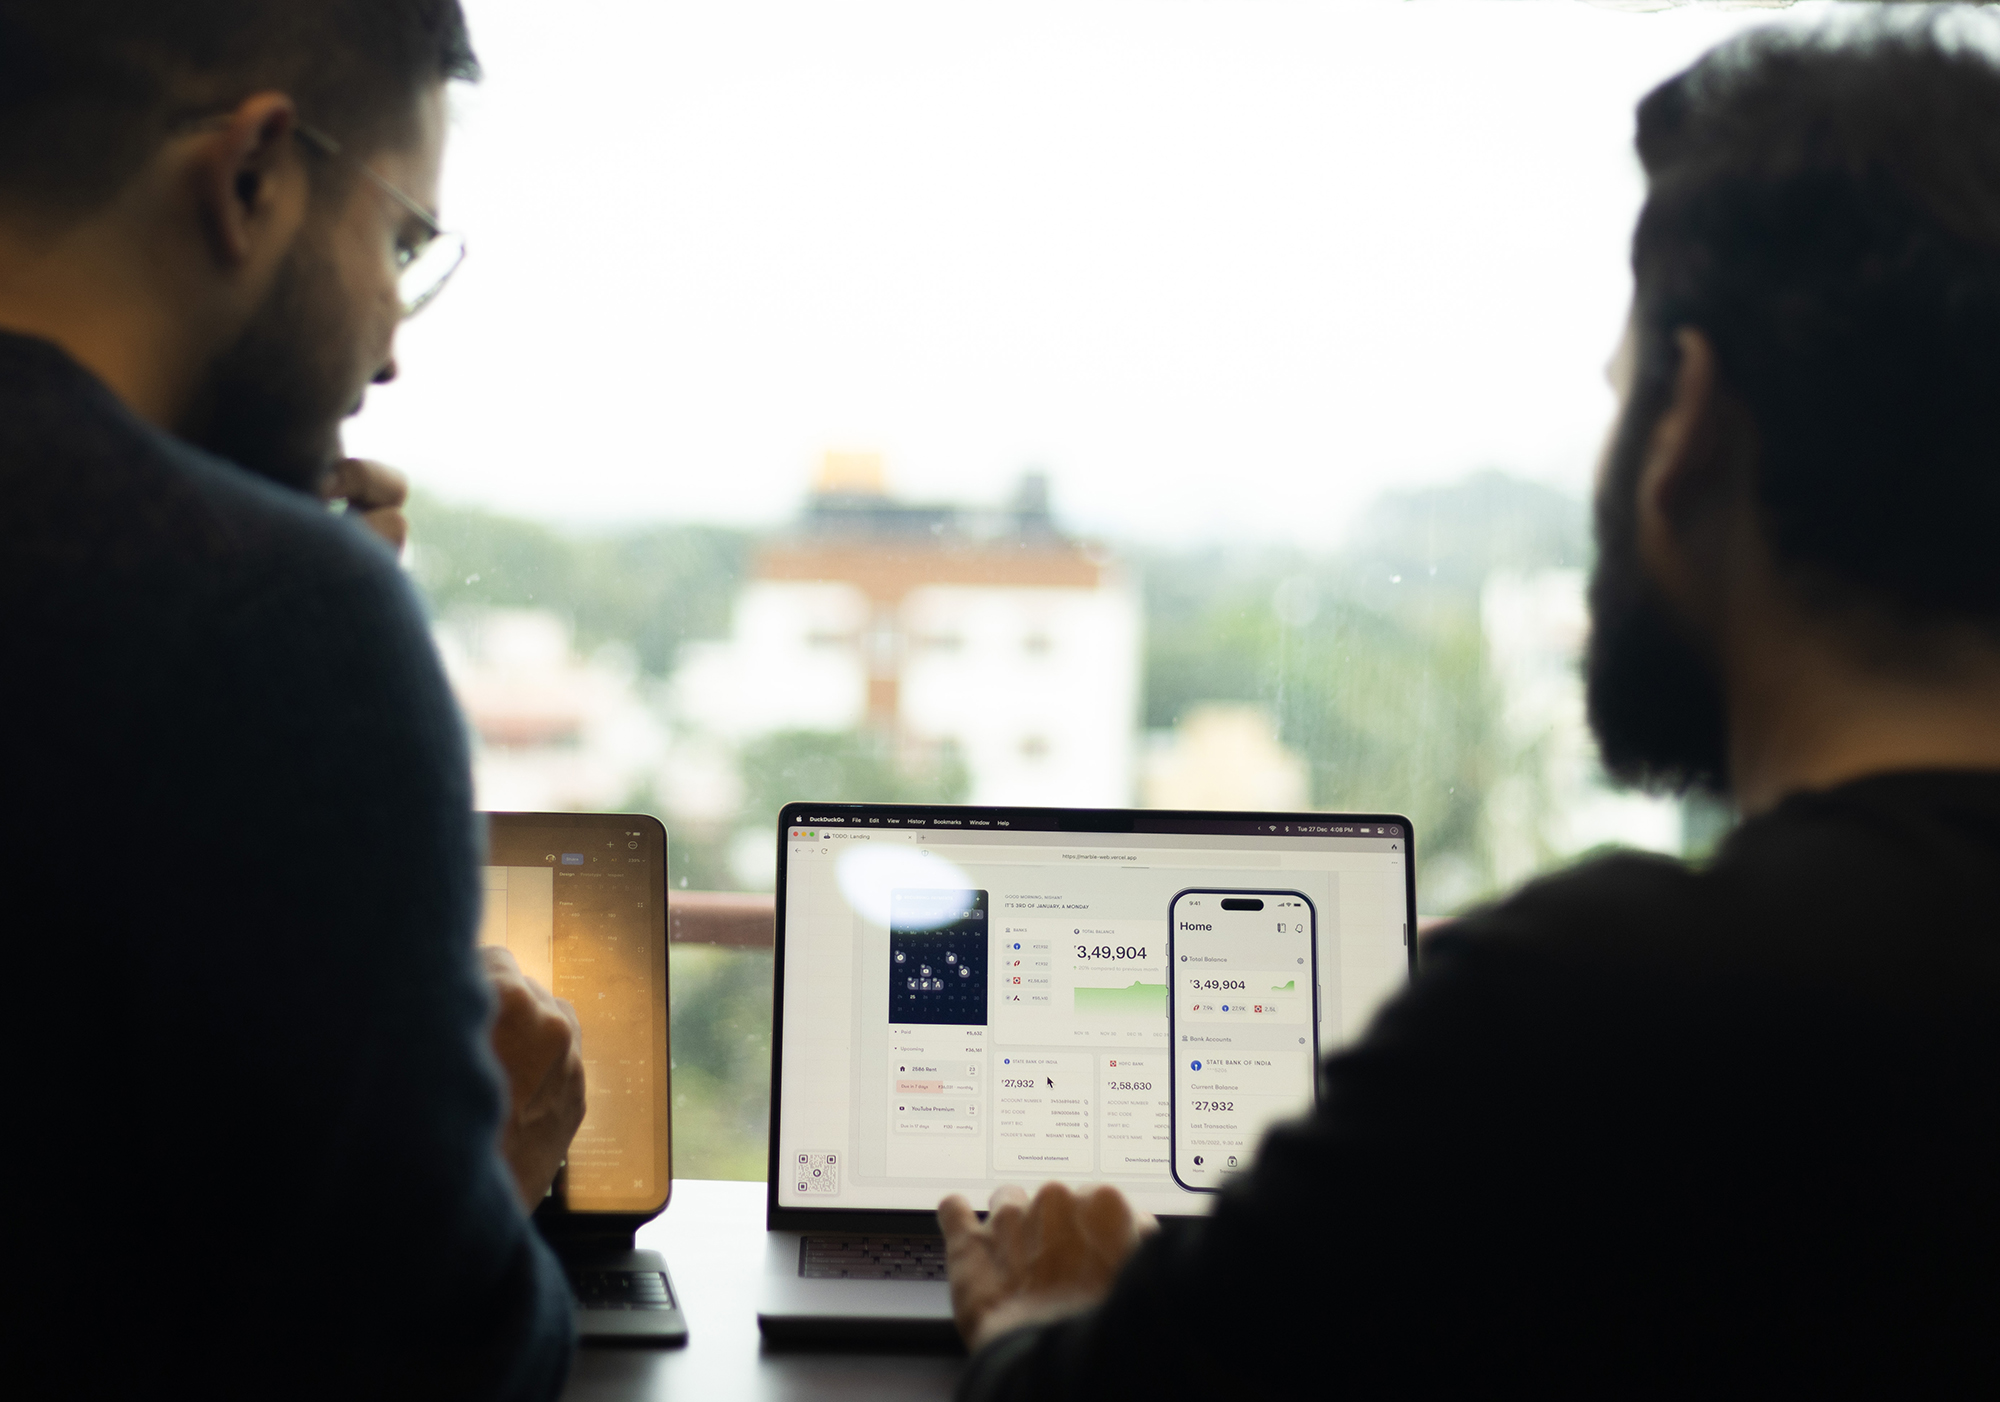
1183 404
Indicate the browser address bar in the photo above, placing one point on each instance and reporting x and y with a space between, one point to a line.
1109 859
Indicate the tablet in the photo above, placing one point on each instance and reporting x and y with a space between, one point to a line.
581 901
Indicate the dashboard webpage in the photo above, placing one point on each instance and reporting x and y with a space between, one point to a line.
967 1003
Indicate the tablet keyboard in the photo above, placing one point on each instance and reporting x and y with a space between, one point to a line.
621 1290
872 1258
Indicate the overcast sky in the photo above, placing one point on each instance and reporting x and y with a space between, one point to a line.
1224 270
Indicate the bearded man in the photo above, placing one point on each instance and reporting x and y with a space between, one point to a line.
1647 1128
271 1138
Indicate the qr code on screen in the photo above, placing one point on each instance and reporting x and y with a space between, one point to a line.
815 1173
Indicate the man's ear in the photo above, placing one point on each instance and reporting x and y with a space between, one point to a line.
1690 459
250 183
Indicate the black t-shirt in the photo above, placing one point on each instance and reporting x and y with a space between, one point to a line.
251 1110
1640 1129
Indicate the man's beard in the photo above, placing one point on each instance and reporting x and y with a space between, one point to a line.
273 401
1655 702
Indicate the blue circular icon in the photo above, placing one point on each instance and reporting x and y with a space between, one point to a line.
1017 944
1225 1007
1006 1061
1194 1065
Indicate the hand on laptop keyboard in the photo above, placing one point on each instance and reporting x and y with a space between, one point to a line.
1035 1260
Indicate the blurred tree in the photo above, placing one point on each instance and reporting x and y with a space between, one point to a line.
1371 658
1392 710
843 767
1457 534
652 588
720 1015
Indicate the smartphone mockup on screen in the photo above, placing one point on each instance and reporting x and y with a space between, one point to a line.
1243 1024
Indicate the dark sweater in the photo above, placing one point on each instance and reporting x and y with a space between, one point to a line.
253 1111
1639 1130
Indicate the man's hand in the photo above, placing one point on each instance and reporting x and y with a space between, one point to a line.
1035 1260
374 493
536 1038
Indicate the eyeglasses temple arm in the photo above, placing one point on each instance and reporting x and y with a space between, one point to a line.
320 140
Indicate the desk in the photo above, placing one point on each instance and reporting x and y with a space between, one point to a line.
712 1235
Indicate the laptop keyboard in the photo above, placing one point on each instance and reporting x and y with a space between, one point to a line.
621 1290
872 1258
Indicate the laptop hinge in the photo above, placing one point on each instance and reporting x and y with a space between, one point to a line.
571 1232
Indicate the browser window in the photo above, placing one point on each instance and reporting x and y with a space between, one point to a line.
974 1001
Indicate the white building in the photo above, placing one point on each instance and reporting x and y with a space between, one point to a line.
994 634
1553 799
551 730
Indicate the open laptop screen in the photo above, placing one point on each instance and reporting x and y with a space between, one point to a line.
579 899
971 996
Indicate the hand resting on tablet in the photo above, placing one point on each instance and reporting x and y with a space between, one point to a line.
540 1047
1031 1261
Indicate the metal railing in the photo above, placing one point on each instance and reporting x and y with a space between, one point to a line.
722 917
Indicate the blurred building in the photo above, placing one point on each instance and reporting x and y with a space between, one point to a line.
1553 799
551 730
1224 756
989 633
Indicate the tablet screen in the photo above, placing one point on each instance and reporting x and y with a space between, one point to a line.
580 901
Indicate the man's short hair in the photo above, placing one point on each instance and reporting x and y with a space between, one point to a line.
1825 206
89 88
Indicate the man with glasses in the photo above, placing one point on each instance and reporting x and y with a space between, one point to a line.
276 1129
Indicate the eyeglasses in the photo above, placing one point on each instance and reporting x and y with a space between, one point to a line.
424 265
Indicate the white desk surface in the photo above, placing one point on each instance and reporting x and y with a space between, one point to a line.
712 1235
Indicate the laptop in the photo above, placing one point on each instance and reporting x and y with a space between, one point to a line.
972 996
581 901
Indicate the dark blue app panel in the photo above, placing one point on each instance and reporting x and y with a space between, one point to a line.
937 957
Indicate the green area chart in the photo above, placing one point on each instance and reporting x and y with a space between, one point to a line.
1133 1000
